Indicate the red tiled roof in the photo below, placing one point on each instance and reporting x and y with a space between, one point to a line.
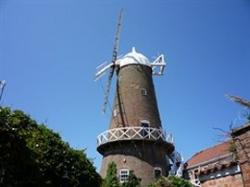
209 154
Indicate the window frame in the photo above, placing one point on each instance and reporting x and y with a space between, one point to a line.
122 177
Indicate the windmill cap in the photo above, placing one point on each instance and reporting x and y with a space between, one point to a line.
133 57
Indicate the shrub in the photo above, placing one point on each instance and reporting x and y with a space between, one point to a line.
171 181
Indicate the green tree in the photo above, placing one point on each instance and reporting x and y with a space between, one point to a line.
111 179
33 155
133 181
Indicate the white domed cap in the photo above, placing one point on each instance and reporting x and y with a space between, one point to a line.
133 58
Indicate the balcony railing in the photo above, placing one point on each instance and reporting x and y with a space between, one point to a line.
133 133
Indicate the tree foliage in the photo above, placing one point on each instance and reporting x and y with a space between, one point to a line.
33 155
179 182
111 179
162 182
171 181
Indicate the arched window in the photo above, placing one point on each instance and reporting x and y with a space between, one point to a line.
145 124
157 172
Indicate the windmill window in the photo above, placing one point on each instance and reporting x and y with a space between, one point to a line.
124 174
144 92
157 172
145 124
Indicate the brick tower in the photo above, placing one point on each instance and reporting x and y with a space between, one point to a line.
135 139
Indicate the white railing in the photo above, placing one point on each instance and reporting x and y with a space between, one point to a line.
133 133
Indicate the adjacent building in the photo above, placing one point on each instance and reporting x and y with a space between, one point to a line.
224 165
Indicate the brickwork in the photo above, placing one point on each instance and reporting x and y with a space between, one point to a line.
241 155
241 138
140 157
228 181
134 102
132 81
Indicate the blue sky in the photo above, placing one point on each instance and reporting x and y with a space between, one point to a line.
49 51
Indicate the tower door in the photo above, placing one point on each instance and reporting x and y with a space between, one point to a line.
145 124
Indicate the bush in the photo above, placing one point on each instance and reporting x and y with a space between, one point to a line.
162 182
171 181
33 155
179 182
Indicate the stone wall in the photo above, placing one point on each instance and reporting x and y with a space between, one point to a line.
223 177
228 181
241 139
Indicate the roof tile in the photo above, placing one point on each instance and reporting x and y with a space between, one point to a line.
209 154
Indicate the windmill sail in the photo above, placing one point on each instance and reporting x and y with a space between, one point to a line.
112 65
2 85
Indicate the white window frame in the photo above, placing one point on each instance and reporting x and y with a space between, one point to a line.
123 177
157 169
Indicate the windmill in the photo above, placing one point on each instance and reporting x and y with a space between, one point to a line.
135 139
